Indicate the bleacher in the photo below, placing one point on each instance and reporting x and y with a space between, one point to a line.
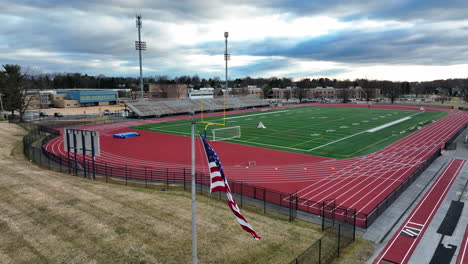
173 107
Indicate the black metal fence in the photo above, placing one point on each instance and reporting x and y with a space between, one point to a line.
335 238
451 144
266 200
263 199
385 203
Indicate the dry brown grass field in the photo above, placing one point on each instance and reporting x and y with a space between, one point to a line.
49 217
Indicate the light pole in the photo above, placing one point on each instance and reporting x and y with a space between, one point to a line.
139 45
227 56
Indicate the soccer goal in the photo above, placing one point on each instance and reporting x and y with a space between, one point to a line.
226 133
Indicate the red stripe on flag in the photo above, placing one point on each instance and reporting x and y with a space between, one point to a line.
252 232
218 189
231 201
216 179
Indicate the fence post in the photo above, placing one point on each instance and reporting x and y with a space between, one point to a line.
167 179
323 215
146 180
241 194
333 212
339 239
354 225
184 179
125 174
264 201
60 161
320 250
365 221
106 171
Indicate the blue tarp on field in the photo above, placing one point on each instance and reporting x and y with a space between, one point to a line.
126 135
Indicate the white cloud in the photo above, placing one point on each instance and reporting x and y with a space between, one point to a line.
98 38
405 72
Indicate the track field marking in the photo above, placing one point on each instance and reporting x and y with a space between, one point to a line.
228 118
341 139
275 112
388 124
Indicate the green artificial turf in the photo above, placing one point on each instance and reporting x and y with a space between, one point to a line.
336 132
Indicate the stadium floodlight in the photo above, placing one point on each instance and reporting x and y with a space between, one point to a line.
227 57
140 45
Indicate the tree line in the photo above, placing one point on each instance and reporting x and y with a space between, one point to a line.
15 80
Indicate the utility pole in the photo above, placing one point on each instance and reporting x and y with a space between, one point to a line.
139 45
227 56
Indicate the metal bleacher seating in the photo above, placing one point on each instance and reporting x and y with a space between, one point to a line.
171 107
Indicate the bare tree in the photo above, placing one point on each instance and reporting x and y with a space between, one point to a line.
300 94
178 90
287 94
391 90
367 89
464 90
343 94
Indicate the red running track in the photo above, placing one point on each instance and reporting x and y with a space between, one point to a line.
463 253
360 183
402 245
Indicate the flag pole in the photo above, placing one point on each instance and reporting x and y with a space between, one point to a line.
194 200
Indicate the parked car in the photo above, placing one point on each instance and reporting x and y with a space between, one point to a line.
43 114
57 114
107 112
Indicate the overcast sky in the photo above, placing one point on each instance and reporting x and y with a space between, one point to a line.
412 40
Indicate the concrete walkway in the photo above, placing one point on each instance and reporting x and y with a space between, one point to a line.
388 223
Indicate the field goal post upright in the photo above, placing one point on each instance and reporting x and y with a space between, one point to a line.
209 123
225 94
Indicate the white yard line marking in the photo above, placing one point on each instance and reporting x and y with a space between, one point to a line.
234 117
388 124
263 144
341 139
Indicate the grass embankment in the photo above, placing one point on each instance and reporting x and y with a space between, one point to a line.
48 217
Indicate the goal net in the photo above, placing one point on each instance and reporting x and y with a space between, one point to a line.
226 133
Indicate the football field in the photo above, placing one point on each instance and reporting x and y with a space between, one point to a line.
335 132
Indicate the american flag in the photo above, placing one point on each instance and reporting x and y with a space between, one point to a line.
219 183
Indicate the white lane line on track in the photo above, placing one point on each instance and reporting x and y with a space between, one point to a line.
441 129
396 147
421 203
337 165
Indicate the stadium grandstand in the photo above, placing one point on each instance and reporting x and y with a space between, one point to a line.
173 107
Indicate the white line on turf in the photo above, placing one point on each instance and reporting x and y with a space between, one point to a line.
388 124
341 139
